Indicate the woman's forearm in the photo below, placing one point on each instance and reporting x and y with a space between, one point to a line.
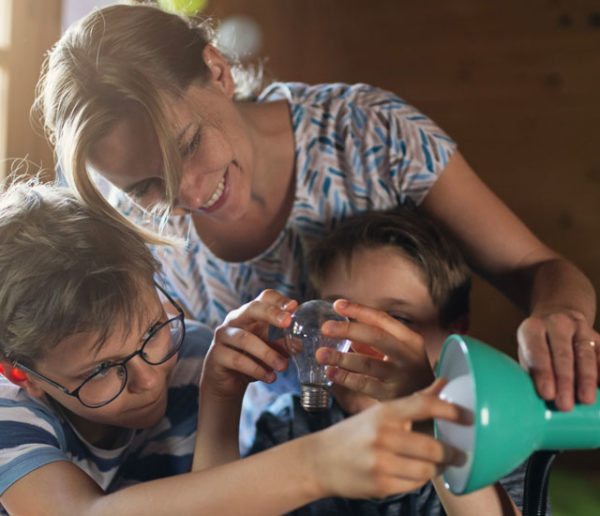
559 285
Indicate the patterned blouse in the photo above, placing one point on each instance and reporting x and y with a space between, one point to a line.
357 148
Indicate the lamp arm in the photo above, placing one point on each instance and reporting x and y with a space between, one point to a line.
535 492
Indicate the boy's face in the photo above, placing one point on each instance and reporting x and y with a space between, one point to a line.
383 278
142 402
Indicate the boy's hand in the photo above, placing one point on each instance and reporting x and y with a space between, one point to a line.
241 352
387 457
391 360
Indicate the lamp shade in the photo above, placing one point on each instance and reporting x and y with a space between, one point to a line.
510 421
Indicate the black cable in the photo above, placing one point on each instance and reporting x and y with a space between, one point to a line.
535 493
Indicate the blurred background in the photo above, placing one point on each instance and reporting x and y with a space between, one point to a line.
516 84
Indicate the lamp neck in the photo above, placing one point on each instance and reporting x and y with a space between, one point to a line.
577 429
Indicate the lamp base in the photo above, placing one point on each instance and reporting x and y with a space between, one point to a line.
314 397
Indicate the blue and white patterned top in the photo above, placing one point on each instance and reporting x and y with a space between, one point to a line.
357 148
34 432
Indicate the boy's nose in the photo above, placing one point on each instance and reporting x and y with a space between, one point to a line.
141 375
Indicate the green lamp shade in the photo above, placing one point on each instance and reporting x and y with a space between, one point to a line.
510 420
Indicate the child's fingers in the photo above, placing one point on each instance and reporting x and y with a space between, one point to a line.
420 407
423 447
232 359
436 387
371 316
356 363
392 338
358 383
275 298
268 308
249 345
465 415
365 349
402 467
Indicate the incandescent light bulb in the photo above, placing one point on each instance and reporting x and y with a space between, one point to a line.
303 337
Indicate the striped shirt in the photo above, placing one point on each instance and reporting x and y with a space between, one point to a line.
34 432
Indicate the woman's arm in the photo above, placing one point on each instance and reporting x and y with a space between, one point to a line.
559 300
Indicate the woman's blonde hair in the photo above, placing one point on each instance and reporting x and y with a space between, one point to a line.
114 60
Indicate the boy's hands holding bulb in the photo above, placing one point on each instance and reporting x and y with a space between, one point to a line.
387 457
241 352
389 359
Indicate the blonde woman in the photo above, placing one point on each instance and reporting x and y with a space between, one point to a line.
142 99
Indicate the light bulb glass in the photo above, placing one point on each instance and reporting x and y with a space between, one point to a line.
303 337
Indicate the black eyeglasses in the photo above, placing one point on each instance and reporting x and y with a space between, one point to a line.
108 381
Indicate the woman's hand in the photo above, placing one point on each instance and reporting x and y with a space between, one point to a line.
554 340
241 352
387 456
556 347
389 359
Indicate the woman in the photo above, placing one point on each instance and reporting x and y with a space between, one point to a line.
140 98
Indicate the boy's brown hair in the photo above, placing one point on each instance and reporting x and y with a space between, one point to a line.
64 269
446 273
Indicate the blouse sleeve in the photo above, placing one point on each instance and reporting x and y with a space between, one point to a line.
397 152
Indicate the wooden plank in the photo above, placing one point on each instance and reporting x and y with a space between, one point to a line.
35 26
517 84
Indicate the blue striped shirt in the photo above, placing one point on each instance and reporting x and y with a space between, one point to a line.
33 432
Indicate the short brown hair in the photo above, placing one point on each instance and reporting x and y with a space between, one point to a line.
448 277
64 269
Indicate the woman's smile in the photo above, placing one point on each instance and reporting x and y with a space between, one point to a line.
218 197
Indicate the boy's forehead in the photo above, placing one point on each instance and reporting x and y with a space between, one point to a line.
380 274
85 348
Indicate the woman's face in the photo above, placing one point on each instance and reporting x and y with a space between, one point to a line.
214 144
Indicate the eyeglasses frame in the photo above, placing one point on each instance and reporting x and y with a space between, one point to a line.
75 392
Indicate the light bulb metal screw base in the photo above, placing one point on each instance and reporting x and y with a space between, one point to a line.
314 397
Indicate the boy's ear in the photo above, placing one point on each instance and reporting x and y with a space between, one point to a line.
220 71
20 378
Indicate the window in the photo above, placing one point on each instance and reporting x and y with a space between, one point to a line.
28 28
5 16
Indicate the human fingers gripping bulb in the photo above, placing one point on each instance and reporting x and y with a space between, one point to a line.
302 339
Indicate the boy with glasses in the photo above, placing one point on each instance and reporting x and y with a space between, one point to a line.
107 409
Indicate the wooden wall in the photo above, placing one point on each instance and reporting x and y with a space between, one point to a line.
34 27
517 84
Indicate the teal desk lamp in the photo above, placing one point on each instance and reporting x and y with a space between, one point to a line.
510 420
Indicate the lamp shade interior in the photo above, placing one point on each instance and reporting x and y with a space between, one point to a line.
461 391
